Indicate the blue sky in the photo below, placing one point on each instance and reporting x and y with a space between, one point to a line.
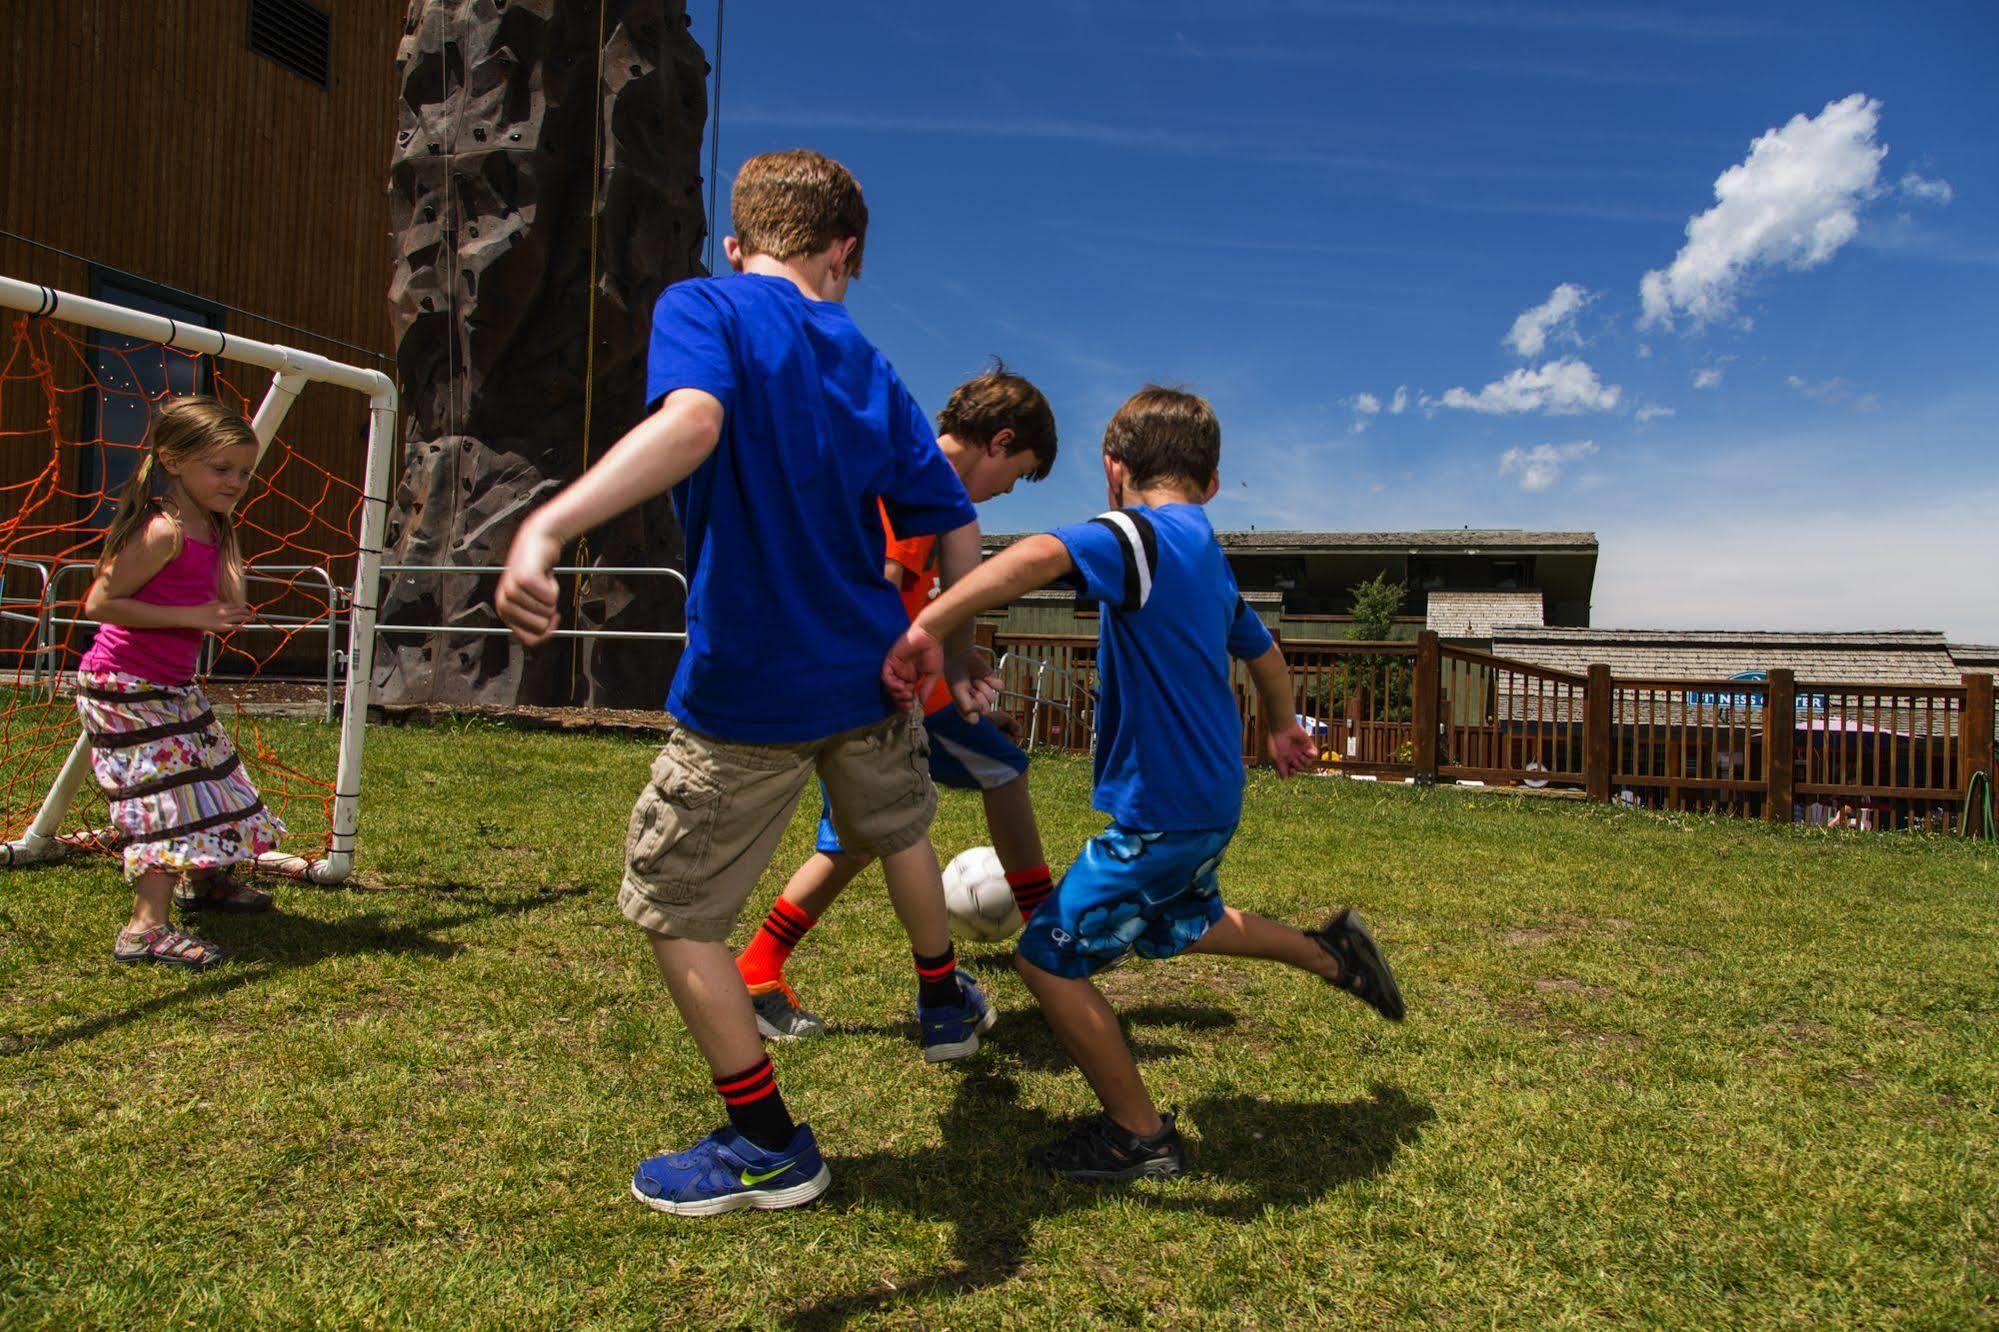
1404 247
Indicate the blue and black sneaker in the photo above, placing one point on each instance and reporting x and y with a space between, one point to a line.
725 1172
952 1031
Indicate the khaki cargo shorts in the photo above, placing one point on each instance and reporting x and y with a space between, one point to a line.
708 822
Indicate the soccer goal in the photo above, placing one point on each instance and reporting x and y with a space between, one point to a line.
79 380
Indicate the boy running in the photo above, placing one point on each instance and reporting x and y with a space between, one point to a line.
996 431
776 425
1169 766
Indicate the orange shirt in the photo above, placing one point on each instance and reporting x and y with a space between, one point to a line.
920 584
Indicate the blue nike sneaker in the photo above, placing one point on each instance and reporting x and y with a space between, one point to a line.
725 1172
952 1031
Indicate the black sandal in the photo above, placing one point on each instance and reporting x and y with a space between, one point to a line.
169 947
221 891
1364 971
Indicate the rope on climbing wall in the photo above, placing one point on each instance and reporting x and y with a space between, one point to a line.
715 141
582 588
454 420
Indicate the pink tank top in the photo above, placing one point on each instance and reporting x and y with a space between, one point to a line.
163 656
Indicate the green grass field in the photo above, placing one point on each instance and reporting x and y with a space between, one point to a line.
1657 1070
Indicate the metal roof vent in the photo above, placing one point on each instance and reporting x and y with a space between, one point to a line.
294 34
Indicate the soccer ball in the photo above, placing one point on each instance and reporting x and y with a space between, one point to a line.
978 898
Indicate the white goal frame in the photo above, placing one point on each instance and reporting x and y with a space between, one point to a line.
292 370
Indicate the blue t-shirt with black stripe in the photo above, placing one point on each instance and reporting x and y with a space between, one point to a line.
1169 732
788 616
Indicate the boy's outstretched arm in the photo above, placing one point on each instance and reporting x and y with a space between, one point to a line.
655 455
919 654
1291 747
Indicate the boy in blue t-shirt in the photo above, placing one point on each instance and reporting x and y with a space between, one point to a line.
783 435
1169 766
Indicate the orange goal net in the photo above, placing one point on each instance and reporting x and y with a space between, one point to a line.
79 383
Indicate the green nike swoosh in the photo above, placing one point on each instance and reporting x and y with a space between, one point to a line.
750 1178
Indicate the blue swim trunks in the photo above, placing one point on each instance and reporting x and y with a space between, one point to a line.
1152 893
967 756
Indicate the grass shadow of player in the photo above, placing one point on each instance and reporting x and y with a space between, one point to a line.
266 945
1023 1039
979 1182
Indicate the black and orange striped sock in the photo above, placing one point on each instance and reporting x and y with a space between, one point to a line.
755 1107
763 961
1030 888
937 979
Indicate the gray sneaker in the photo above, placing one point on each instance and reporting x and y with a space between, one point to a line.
779 1016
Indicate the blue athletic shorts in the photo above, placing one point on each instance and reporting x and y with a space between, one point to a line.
1152 893
968 756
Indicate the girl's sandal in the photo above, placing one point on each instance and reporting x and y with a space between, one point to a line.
220 892
168 947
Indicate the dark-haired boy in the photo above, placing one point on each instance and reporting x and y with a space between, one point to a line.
996 431
1168 766
775 423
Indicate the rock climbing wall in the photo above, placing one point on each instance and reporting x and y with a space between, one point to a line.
522 122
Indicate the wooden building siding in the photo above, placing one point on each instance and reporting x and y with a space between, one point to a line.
150 140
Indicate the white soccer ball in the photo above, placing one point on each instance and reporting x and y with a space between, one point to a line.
978 898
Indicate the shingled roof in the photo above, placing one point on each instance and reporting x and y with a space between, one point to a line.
1484 541
1478 614
1907 656
1975 656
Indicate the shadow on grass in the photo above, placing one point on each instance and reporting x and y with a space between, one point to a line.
1022 1037
1276 1153
281 941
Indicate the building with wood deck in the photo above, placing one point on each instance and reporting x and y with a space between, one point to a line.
1301 583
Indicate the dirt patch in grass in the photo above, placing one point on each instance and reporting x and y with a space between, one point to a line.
1576 1034
1570 985
647 723
1541 932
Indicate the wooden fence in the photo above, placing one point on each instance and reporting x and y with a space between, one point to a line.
1863 755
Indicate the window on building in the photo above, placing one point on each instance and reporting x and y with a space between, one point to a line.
296 35
130 375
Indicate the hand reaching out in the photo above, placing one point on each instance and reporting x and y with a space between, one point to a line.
527 598
916 659
976 690
1292 749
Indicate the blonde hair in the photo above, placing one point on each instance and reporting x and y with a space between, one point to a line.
183 430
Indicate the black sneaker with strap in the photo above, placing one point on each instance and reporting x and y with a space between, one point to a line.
1364 971
1100 1150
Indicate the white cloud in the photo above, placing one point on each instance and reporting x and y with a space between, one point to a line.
1644 351
1551 318
1561 388
1923 190
1835 392
1541 466
1366 407
1651 412
1708 378
1792 201
1400 402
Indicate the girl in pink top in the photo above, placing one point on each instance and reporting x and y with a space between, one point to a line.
170 573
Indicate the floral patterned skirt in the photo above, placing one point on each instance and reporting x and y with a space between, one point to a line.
179 795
